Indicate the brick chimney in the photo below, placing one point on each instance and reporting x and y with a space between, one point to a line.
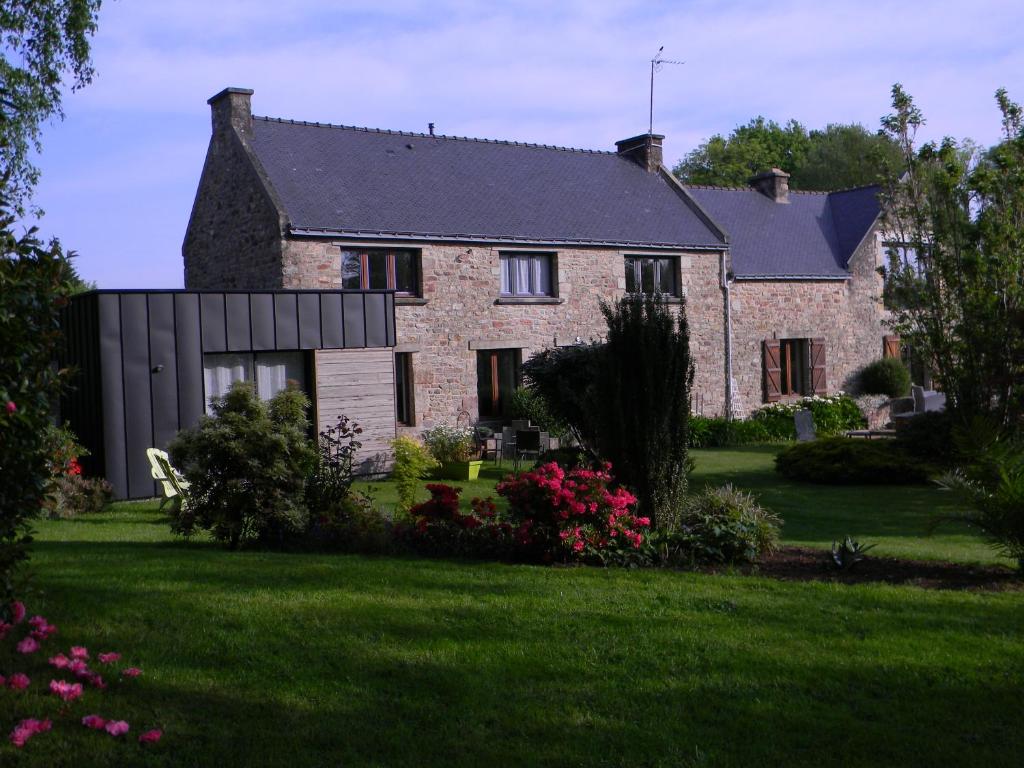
232 108
773 184
644 150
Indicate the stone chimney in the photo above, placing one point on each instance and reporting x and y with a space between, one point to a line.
773 184
644 150
232 108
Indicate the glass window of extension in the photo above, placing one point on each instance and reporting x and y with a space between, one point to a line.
405 404
650 275
270 371
526 274
381 269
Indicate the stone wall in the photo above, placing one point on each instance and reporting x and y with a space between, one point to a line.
848 314
459 312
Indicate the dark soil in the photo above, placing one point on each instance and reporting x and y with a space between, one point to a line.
804 564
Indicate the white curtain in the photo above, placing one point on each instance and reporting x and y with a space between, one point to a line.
541 275
275 369
220 372
523 276
506 274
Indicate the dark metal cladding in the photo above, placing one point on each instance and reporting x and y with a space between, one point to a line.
261 317
211 310
138 407
163 367
111 372
236 307
355 320
191 400
286 321
332 324
376 320
309 321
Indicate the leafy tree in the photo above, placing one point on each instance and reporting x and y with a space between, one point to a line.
33 287
43 42
836 157
954 279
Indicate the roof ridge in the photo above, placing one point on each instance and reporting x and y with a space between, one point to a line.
856 188
390 132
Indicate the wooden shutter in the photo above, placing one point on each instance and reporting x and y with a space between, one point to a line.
891 346
819 379
772 370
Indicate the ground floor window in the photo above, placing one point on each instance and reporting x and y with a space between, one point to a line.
270 371
794 367
405 405
497 376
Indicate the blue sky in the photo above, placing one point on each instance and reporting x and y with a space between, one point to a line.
120 172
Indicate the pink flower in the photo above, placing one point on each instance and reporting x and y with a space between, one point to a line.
116 727
67 691
109 658
131 672
60 661
4 629
150 737
17 607
78 667
79 652
95 722
96 681
28 645
44 631
11 407
577 546
18 681
26 729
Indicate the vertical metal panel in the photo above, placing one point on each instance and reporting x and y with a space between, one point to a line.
332 329
191 399
355 321
286 321
389 310
163 361
309 320
81 407
236 307
261 316
113 393
211 307
138 407
376 320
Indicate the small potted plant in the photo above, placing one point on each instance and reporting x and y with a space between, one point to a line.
454 449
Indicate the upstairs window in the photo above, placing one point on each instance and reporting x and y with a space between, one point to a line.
649 275
526 274
381 269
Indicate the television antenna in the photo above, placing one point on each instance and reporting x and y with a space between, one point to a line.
656 64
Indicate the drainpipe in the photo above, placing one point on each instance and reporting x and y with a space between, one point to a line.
728 339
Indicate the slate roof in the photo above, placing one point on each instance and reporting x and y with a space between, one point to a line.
340 179
814 235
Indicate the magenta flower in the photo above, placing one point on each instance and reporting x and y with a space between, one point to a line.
60 661
116 727
17 607
11 407
67 691
28 645
109 658
41 628
78 667
95 722
150 737
79 652
26 729
18 681
96 681
131 672
4 629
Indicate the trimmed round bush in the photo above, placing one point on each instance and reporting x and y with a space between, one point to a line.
886 377
850 461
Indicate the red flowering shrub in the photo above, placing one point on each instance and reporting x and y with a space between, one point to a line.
439 527
573 515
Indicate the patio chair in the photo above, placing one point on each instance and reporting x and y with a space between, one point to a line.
527 445
804 423
173 485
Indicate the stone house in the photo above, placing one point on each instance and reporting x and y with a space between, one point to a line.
495 250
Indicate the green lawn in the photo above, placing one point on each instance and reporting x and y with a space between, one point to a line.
255 658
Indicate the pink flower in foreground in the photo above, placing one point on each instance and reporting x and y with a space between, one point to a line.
116 727
17 612
95 722
109 658
41 628
11 406
79 652
78 667
96 681
67 691
4 629
131 672
18 681
28 645
26 729
60 661
150 737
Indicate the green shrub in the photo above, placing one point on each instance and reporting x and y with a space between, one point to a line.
850 461
719 526
349 523
412 464
566 457
248 464
888 376
833 415
332 475
527 403
928 437
566 377
716 432
449 445
70 493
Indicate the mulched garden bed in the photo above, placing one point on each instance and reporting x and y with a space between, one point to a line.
805 564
